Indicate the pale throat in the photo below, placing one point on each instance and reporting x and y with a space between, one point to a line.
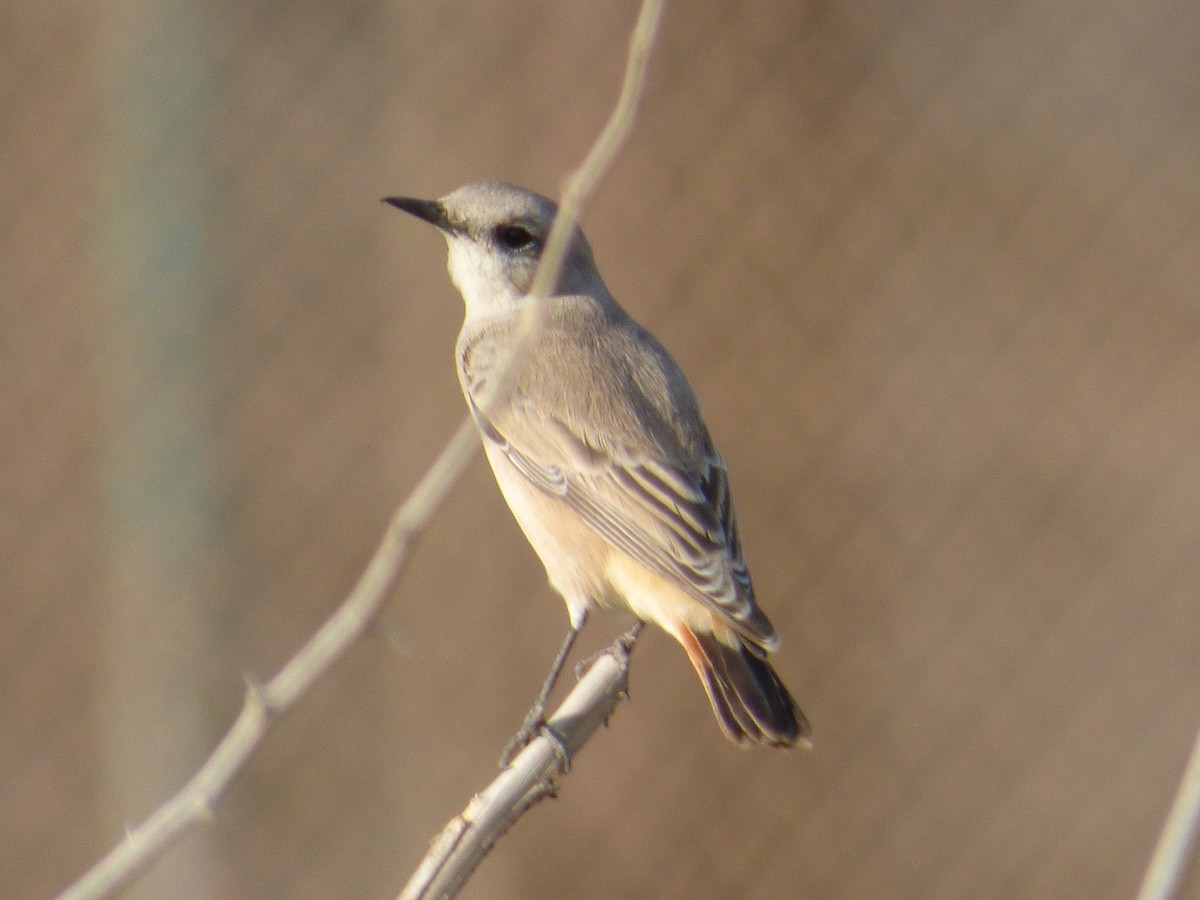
486 289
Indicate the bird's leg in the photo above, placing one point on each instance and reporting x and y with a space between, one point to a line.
536 717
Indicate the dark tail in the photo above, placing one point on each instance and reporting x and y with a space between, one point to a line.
751 704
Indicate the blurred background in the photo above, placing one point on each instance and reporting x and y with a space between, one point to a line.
932 268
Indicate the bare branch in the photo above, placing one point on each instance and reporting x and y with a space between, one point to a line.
578 189
1173 855
469 836
195 801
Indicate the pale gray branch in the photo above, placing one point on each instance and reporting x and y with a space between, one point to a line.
578 189
1173 855
469 836
263 702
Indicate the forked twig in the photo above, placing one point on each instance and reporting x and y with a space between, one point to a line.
265 701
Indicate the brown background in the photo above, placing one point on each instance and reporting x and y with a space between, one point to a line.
932 268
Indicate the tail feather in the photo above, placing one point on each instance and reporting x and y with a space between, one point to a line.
751 704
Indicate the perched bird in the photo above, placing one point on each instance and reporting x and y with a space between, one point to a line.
604 458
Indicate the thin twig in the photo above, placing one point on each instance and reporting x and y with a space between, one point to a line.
263 702
466 840
1173 855
577 190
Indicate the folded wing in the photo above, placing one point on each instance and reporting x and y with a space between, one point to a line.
679 524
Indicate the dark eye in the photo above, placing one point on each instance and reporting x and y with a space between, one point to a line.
516 237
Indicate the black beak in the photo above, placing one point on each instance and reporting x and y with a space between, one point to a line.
428 210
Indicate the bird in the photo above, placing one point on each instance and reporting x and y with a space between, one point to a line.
604 458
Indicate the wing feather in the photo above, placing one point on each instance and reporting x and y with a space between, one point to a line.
679 524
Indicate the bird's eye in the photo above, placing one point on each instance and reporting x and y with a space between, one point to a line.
516 237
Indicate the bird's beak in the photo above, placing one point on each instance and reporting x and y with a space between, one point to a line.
430 211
